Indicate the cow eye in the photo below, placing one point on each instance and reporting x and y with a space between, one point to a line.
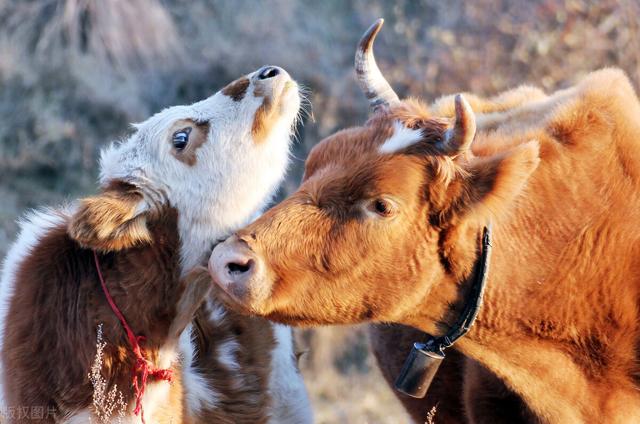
382 207
181 138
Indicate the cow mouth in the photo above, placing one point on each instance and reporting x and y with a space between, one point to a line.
286 95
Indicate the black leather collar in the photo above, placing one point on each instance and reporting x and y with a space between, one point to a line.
425 358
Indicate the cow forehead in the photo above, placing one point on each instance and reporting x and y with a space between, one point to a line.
347 146
387 135
386 156
366 177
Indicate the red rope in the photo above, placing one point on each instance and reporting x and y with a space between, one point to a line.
143 368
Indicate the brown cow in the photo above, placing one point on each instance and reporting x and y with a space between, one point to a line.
386 223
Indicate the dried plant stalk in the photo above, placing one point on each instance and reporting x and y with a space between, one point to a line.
107 403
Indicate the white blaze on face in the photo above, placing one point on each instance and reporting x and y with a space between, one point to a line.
401 138
235 156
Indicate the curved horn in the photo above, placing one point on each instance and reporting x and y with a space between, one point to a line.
458 139
371 81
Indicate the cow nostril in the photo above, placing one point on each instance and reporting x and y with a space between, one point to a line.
268 72
239 267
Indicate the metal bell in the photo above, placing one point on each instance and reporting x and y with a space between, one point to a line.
419 369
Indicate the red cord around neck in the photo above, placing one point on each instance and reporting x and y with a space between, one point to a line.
143 367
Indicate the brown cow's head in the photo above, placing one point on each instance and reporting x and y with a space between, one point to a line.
386 219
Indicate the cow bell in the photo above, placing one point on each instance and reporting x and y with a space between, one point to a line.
419 369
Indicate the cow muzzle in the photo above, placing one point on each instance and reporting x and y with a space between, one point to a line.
239 272
273 82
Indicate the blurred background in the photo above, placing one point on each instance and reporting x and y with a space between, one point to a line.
75 73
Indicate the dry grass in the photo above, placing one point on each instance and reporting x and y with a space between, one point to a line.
431 416
117 33
108 402
74 73
343 380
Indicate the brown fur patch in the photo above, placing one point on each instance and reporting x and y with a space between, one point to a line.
237 89
198 135
50 340
243 392
264 119
268 113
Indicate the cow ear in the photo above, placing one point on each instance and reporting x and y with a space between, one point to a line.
489 185
113 220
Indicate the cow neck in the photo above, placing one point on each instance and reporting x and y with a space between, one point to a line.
143 368
426 357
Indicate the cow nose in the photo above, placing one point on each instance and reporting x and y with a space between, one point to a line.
269 72
234 267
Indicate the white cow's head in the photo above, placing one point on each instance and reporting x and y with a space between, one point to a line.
216 162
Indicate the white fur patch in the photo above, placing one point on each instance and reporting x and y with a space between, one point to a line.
228 354
197 391
32 228
218 313
402 138
290 401
158 393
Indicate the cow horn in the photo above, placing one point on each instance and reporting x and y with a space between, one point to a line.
372 83
458 139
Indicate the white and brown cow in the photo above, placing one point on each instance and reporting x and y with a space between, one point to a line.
386 228
186 177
